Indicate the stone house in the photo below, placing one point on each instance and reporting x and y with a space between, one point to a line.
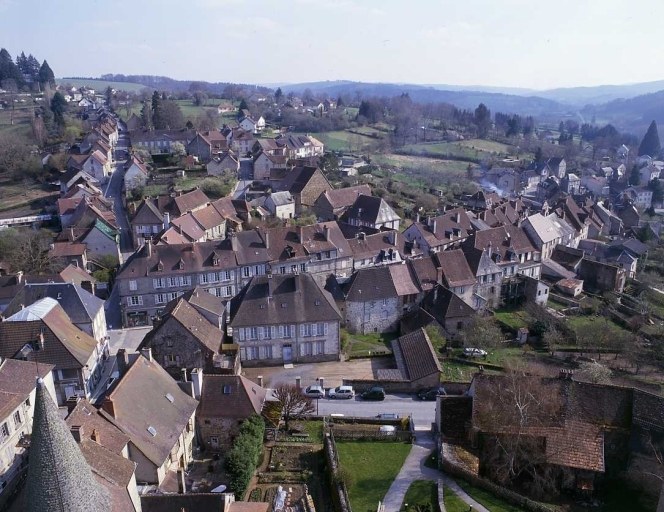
456 274
267 165
305 184
43 333
222 164
147 222
374 299
206 145
280 319
331 204
225 402
452 313
182 338
157 415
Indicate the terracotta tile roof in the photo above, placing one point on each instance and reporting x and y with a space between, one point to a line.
65 345
186 225
404 281
64 249
73 274
190 201
112 467
195 323
17 381
426 272
230 396
85 415
135 411
345 197
455 269
371 210
415 356
249 506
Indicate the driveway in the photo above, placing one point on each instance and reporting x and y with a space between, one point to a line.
333 372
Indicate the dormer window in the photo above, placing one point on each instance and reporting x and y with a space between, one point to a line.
160 266
181 265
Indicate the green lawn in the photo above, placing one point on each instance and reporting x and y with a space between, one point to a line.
315 431
475 149
370 344
101 85
421 492
599 322
452 502
493 503
448 168
513 318
372 467
344 141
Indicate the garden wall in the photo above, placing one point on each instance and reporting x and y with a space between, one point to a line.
339 493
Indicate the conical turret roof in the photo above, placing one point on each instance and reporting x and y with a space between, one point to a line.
59 478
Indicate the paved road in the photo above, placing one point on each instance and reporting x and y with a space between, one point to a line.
246 169
114 191
403 405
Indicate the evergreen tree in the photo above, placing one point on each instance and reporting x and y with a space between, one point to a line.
9 70
278 95
146 115
482 120
650 144
58 107
156 110
46 76
33 68
22 63
657 191
243 105
634 176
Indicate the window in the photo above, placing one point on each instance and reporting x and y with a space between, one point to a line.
321 329
135 300
225 275
133 286
282 269
267 352
267 332
160 298
227 389
384 302
252 353
303 267
246 271
217 292
4 431
17 419
173 295
461 289
253 333
328 255
319 347
203 278
228 291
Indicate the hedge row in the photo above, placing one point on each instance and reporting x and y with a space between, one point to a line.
243 458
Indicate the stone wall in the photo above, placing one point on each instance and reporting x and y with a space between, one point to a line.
373 316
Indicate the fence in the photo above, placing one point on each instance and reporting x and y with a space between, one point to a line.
339 491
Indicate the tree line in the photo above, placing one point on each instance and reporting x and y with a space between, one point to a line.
24 74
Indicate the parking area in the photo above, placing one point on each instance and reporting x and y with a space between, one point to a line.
333 372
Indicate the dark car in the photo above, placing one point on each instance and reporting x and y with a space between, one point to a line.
430 394
375 393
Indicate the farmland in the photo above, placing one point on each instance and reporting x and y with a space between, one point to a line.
101 85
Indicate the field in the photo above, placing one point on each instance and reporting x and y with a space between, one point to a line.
345 141
473 149
22 199
22 119
101 85
448 168
371 466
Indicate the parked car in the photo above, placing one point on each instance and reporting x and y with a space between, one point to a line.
341 392
474 352
314 392
388 430
388 416
375 393
430 394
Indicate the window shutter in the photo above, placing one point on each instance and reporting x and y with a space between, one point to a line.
140 300
302 330
281 331
128 301
325 328
155 284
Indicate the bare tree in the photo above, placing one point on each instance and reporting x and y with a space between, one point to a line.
481 332
289 404
10 85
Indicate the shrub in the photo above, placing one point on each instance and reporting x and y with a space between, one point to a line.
244 456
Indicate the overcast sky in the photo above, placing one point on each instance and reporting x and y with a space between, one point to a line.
522 43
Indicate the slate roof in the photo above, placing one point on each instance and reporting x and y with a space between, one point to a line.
139 401
192 321
17 380
59 477
368 284
426 271
443 304
147 213
298 178
65 345
190 502
230 396
280 299
415 356
371 210
443 229
79 304
190 201
282 198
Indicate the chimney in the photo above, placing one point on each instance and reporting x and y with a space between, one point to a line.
123 360
107 405
417 217
266 239
457 217
71 403
490 249
95 436
362 235
434 224
197 381
298 382
392 235
88 286
77 432
439 275
71 233
321 382
182 488
260 380
148 244
326 233
183 373
167 220
234 244
19 276
146 352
